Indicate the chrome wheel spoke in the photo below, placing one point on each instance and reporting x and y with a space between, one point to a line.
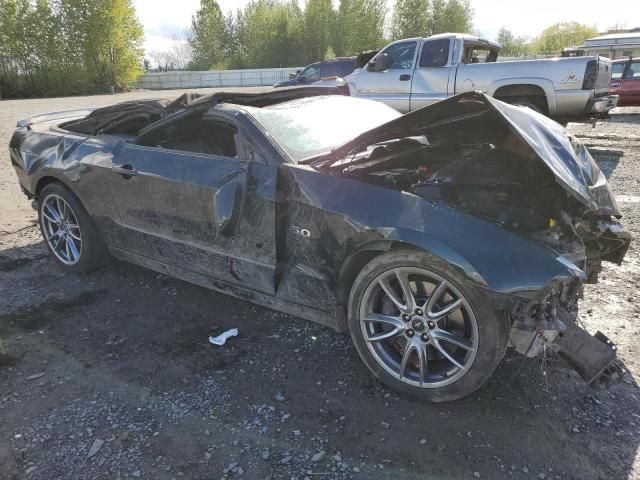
51 214
448 310
58 244
415 345
396 324
434 297
66 249
443 335
403 280
51 236
393 296
75 254
445 354
73 228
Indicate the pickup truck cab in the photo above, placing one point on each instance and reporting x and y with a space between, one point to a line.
411 73
625 81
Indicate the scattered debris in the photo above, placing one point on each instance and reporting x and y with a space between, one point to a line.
36 376
95 448
223 337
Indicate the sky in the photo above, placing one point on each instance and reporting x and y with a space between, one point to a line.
163 18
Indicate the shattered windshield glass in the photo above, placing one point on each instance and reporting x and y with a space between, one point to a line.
311 126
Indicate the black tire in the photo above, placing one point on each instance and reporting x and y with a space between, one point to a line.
92 249
492 328
525 102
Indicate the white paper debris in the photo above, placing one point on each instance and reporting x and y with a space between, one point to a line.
222 338
95 448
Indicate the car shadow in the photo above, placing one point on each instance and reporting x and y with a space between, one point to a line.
284 385
607 159
624 117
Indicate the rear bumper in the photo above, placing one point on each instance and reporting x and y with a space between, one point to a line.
600 105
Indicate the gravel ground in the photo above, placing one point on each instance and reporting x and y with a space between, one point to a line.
110 375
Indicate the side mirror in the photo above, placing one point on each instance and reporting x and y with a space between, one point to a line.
380 63
293 75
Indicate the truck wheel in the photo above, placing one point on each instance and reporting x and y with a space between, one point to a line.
68 230
421 329
524 102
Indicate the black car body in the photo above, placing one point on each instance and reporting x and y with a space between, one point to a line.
510 212
337 67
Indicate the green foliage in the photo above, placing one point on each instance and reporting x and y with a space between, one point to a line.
512 46
450 16
329 54
271 33
319 18
207 35
62 47
421 18
411 18
556 37
359 26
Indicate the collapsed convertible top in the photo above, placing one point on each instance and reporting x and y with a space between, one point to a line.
146 112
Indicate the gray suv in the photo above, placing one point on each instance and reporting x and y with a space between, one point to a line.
337 67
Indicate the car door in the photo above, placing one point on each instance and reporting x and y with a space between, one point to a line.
393 85
630 87
431 76
206 214
617 72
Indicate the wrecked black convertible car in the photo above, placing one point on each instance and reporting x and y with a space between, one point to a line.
437 238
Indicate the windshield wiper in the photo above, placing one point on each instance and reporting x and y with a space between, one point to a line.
313 158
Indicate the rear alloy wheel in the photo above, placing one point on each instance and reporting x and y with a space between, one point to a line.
68 230
61 230
419 332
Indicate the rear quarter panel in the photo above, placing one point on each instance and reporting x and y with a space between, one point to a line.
81 163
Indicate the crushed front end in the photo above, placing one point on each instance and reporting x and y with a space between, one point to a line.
523 173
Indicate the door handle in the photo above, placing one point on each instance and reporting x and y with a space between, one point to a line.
126 170
404 77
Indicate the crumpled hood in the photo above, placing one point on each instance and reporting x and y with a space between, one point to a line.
568 160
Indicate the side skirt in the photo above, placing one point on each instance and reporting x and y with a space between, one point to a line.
329 319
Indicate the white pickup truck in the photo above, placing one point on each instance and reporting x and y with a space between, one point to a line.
411 73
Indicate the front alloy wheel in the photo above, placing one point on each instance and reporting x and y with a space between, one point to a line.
422 329
418 327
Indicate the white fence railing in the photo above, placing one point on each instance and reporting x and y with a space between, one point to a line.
215 78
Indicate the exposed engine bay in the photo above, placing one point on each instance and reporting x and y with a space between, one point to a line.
484 170
547 189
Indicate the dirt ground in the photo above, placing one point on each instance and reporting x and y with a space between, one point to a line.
110 376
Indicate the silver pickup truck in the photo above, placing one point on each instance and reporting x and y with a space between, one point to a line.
411 73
